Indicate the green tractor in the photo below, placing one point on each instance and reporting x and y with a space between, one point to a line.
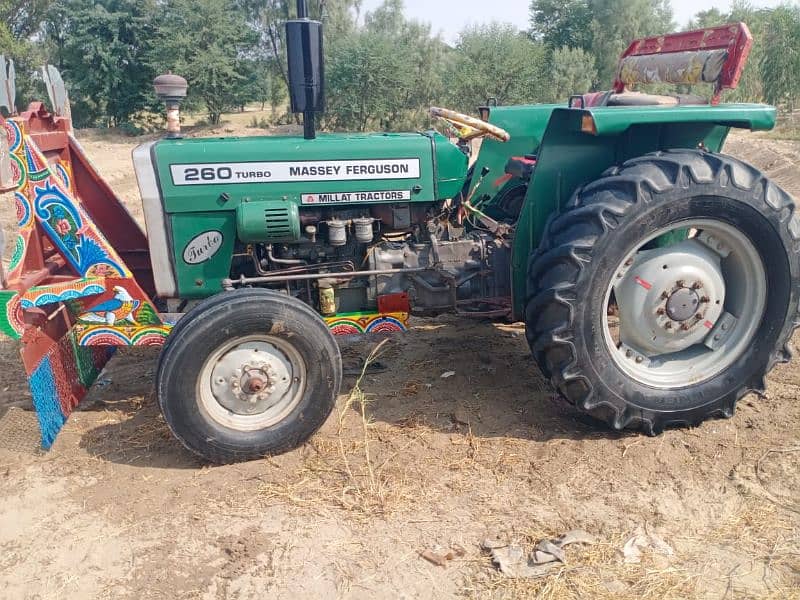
658 279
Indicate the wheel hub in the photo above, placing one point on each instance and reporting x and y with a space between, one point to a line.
249 380
682 305
669 299
254 383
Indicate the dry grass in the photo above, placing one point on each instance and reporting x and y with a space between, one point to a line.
347 470
756 542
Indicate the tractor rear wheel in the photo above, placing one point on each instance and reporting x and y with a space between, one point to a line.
248 374
666 290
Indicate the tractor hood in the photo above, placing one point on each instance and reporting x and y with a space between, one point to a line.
217 174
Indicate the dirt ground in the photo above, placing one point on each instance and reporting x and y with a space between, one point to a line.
119 509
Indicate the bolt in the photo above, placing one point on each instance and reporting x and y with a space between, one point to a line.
619 275
661 312
628 354
697 285
235 385
664 295
639 360
705 300
725 327
668 325
256 386
698 316
629 262
681 283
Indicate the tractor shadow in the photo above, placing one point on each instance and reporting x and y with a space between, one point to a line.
456 375
130 429
495 391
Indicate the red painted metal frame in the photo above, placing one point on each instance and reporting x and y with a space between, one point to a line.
53 136
80 281
735 38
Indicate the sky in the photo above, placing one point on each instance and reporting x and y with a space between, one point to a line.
451 16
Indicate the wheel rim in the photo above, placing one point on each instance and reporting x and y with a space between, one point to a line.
252 383
688 311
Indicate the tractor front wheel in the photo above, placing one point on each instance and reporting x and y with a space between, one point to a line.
666 290
248 374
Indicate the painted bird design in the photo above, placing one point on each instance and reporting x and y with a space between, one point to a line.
120 308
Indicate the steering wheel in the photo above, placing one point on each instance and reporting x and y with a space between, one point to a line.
470 128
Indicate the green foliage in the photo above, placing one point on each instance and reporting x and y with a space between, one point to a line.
19 21
572 71
707 18
383 75
104 57
562 23
782 56
205 41
383 70
603 28
615 23
496 61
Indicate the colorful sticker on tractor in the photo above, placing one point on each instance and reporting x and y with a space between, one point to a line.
13 135
11 319
80 245
63 172
360 323
99 335
63 292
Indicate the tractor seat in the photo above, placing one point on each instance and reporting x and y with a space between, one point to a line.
521 166
627 98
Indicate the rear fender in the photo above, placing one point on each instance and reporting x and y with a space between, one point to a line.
579 145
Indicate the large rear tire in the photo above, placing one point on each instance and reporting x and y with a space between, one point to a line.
248 374
700 255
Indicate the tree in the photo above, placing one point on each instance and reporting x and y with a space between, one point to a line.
382 75
267 18
105 45
206 41
20 22
780 63
615 23
562 23
23 19
572 72
707 18
496 61
751 88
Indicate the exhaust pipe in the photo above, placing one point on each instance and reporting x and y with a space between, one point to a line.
304 47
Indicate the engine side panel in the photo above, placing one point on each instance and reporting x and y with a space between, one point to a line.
220 195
